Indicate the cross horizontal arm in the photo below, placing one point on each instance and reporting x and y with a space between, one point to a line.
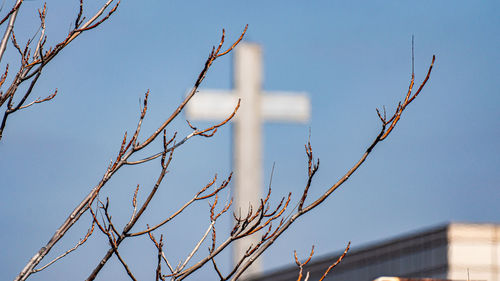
285 107
211 105
275 106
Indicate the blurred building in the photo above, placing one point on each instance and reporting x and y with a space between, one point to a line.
445 252
385 278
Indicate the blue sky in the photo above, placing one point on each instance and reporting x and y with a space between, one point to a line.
440 164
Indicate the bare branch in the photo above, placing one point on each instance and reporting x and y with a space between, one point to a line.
195 249
81 242
408 99
196 132
32 68
78 18
158 267
195 198
14 9
11 110
38 51
86 27
380 137
10 26
40 100
258 217
301 265
209 132
127 269
162 253
212 57
336 262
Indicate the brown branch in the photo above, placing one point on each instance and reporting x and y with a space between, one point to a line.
301 265
408 99
380 137
133 221
199 264
195 198
123 159
78 19
98 22
14 9
248 252
259 227
11 110
158 267
84 205
103 228
81 242
312 169
195 249
212 57
196 132
113 241
4 76
134 204
234 44
28 69
336 262
127 269
40 100
42 39
86 26
10 26
217 270
254 223
141 118
124 154
162 252
209 132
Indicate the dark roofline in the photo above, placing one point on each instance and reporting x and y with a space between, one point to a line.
322 262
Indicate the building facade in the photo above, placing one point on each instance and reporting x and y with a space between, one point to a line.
446 252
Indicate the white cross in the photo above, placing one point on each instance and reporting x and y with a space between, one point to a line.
256 107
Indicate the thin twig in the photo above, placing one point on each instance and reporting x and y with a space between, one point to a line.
301 265
10 26
162 252
380 137
83 240
195 249
336 262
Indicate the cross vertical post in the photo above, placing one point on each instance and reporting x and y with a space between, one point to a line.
247 140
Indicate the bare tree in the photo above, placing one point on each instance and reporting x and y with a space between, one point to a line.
267 221
34 56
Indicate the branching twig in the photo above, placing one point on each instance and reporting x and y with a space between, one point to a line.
258 218
195 249
31 66
301 265
162 252
124 154
384 132
181 209
12 14
83 240
336 262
